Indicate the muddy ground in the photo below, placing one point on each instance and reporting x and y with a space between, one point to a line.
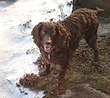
80 72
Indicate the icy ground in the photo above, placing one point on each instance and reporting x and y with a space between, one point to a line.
17 50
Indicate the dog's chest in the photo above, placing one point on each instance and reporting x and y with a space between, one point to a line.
57 57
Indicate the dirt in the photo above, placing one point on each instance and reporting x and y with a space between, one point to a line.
80 71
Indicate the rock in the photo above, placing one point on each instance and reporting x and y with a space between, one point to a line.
83 91
104 4
104 29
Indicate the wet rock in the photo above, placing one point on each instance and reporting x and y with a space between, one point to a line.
104 4
83 91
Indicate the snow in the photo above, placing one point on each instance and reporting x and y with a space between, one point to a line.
17 50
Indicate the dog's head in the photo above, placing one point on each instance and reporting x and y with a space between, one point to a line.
49 35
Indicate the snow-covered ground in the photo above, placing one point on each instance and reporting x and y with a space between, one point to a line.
17 50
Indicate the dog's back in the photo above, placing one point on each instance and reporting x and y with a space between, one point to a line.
82 23
82 19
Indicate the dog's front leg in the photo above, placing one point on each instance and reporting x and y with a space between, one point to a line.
46 71
62 71
61 77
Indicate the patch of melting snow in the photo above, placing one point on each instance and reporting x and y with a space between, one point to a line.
17 50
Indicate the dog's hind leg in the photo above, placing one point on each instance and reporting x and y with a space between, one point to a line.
92 42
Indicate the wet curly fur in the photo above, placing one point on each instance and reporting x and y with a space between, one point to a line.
66 35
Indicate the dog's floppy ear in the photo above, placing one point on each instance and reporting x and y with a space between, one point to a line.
36 33
64 35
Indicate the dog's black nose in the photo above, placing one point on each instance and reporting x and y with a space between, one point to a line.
49 41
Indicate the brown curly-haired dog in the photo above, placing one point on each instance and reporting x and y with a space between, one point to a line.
57 40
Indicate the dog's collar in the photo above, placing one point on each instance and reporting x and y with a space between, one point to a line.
48 51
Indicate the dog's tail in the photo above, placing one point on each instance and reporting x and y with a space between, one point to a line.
98 10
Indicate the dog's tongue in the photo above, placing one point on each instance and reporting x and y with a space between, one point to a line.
50 49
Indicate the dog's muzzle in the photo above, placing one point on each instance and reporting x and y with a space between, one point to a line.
48 48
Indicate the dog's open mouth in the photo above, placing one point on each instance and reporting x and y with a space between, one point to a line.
48 48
